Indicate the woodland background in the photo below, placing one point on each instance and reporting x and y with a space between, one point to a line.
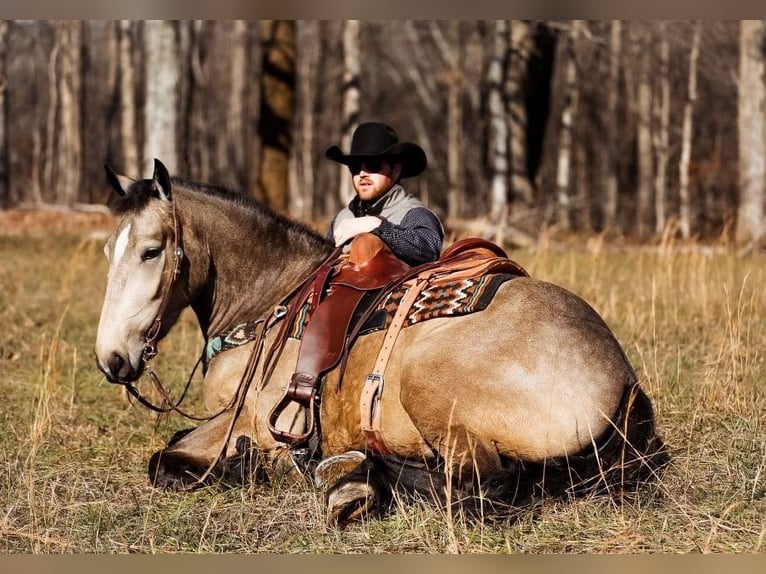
639 130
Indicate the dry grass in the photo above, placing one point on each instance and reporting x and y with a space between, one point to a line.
73 450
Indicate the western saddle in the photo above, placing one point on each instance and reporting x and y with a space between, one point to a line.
341 296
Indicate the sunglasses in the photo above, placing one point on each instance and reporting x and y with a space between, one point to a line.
371 165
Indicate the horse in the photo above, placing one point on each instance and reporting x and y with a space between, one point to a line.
531 396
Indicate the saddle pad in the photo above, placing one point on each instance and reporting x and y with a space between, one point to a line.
438 299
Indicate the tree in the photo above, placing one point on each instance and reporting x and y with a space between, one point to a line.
498 121
276 112
350 94
752 140
566 127
686 137
522 46
162 94
611 140
4 161
69 140
127 91
644 136
662 135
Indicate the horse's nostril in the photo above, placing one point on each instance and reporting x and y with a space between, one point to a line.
115 364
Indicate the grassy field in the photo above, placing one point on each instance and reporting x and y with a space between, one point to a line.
73 449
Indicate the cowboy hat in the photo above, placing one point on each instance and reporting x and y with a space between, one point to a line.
374 139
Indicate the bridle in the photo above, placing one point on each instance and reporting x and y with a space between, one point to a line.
153 334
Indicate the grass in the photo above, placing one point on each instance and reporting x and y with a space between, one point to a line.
73 449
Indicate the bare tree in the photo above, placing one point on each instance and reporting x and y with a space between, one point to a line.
685 201
610 172
752 140
350 95
4 161
662 135
127 91
235 141
566 127
645 158
302 168
498 121
162 97
276 112
515 93
69 139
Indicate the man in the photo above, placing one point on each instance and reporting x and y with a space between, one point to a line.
381 214
378 162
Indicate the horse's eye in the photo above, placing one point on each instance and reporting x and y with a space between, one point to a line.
151 253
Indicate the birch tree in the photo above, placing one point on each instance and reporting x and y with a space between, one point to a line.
684 195
752 140
662 136
566 128
162 94
498 123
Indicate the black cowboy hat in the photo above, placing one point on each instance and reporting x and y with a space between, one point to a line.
374 139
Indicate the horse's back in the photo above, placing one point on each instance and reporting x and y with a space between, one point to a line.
537 373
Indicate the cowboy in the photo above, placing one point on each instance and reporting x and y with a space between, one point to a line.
378 162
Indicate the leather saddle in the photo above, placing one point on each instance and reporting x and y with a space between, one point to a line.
344 290
338 292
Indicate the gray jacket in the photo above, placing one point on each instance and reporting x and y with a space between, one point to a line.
412 231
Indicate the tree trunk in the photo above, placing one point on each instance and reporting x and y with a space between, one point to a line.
4 158
162 97
127 82
522 190
236 110
662 114
685 201
498 124
69 139
350 97
453 54
302 200
611 141
750 123
276 112
566 128
645 162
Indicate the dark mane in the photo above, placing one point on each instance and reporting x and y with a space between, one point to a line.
141 191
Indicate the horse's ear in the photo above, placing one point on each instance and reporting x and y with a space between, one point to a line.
161 179
120 183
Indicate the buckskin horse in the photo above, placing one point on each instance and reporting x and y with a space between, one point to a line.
525 394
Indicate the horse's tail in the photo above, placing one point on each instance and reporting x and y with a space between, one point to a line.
629 455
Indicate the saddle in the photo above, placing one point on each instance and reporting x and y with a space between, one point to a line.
344 294
340 287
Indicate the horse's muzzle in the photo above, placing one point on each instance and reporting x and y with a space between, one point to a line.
119 370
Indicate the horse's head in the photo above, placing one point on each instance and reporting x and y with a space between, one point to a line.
143 253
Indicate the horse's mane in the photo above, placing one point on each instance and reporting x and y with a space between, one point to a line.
141 191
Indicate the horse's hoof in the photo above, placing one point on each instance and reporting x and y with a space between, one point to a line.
349 502
331 469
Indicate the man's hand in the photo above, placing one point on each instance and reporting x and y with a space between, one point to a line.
349 228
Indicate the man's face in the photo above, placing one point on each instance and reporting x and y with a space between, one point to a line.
373 177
